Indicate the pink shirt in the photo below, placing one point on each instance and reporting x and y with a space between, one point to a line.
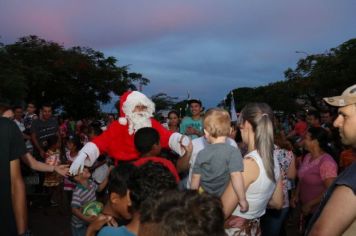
312 174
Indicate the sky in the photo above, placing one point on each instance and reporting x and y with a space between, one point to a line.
203 47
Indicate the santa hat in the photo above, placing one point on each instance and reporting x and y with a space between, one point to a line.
129 100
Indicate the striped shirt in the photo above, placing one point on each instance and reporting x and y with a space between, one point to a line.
82 196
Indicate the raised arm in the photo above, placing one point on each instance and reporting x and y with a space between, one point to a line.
183 161
195 182
43 167
229 198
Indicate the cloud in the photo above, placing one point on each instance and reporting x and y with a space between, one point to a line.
205 46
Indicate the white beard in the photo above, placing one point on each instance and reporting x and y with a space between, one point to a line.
138 120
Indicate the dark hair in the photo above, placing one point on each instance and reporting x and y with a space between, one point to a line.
194 101
321 135
76 141
16 107
46 105
52 140
326 111
145 138
95 128
149 180
4 107
183 213
31 102
172 112
316 114
119 178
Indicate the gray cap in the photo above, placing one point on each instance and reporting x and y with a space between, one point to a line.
348 97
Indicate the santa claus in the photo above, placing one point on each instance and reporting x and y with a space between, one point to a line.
136 111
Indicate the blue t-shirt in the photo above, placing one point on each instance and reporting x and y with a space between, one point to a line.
190 122
117 231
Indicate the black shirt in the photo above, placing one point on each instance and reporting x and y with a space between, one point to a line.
12 146
44 129
346 178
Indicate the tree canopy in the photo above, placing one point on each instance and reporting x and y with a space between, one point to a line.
75 80
315 77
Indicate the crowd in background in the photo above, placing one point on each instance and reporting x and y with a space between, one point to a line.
306 149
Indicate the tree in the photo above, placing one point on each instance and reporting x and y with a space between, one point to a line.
75 80
315 77
163 102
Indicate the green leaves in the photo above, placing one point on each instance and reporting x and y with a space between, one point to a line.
76 79
314 77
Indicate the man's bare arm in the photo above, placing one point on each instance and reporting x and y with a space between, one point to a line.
18 196
36 144
338 209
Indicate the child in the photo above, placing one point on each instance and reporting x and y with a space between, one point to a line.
73 146
100 167
145 182
117 208
52 180
218 162
83 193
182 213
148 145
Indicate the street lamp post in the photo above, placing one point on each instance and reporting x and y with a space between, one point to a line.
302 52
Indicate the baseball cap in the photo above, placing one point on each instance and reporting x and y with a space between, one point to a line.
348 97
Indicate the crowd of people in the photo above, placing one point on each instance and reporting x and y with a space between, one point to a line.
198 175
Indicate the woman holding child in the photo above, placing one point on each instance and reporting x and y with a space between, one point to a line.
261 173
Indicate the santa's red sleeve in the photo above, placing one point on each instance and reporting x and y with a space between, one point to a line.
171 140
164 133
103 140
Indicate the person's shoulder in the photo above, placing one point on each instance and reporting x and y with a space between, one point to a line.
7 124
327 158
109 230
36 122
348 177
231 142
186 119
5 121
199 141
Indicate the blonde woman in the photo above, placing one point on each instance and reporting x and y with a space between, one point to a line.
261 173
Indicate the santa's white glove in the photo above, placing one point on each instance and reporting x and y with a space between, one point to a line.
86 157
176 141
78 164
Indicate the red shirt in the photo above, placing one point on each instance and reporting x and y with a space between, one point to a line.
168 164
300 128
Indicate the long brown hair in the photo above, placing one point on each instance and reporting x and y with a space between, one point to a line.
260 116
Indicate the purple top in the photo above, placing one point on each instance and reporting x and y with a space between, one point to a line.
312 174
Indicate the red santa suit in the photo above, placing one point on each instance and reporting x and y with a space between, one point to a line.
118 140
119 144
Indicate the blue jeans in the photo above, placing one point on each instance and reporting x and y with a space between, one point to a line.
272 221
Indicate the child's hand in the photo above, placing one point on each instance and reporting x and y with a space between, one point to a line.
62 170
189 147
243 205
91 219
100 221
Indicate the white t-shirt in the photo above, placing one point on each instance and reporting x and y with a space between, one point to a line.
260 191
198 145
